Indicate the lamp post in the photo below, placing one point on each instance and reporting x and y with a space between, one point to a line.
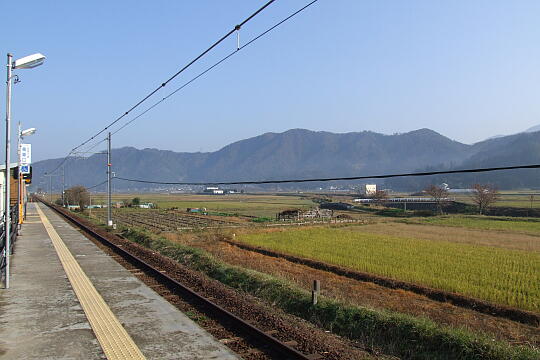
20 135
26 62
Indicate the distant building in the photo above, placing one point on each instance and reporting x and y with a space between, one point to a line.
213 190
369 189
146 205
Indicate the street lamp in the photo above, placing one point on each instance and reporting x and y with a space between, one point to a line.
27 62
21 134
27 132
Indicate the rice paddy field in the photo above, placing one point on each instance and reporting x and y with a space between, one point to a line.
496 274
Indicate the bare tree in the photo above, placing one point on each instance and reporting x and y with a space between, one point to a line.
77 195
439 195
484 195
379 197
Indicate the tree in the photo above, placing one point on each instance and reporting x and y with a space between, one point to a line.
77 195
483 196
136 201
439 195
379 197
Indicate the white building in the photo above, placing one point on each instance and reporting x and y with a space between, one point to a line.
370 189
214 190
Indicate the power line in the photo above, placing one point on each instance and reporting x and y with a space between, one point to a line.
211 68
163 84
95 186
386 176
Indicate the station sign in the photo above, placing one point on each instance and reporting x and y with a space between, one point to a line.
24 169
26 154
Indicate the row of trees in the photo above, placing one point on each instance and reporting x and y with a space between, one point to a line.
79 195
483 196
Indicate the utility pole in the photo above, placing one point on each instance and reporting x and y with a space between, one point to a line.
7 207
50 186
109 173
63 184
19 177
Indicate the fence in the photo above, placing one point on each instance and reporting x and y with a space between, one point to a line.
13 235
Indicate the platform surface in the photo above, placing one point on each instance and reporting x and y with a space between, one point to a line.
41 317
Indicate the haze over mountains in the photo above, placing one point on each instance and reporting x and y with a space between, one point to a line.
300 153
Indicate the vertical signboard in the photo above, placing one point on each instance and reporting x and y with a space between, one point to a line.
26 158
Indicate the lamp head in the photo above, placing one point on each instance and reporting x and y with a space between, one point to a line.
27 132
29 62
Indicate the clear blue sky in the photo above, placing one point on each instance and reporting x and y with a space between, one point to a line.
467 69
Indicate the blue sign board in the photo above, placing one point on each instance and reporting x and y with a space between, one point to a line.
24 169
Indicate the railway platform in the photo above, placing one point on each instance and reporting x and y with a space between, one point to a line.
70 300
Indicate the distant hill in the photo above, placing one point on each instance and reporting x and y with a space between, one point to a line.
300 153
533 129
518 149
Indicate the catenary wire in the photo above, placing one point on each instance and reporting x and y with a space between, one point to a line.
95 186
386 176
210 68
163 84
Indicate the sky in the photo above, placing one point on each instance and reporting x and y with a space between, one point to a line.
466 69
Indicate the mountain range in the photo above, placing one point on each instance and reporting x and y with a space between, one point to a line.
300 153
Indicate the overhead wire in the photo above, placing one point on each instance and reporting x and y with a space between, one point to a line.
211 68
384 176
163 84
95 186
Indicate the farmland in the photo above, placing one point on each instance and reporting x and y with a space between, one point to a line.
527 226
163 220
495 259
521 199
509 277
248 205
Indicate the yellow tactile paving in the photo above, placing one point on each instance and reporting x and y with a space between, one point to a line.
113 338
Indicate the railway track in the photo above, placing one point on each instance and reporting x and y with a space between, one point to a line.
270 345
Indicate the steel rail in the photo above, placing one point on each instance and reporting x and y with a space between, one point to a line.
241 324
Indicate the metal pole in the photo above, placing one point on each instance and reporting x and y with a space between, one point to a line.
109 204
63 185
7 218
19 175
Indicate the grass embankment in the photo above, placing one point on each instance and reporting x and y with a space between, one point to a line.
503 276
394 333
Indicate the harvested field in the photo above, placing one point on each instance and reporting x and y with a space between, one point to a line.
165 220
529 226
241 204
507 277
507 239
368 294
